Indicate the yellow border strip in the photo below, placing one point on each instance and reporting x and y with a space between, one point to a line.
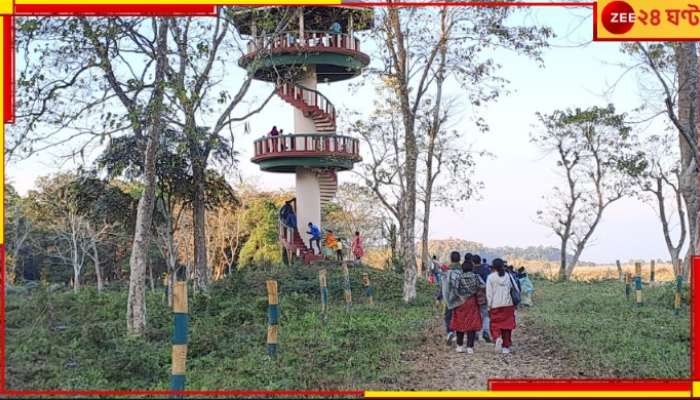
530 394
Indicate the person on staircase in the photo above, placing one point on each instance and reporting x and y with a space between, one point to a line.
315 237
287 215
330 243
357 250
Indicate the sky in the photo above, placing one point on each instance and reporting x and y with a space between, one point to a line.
519 175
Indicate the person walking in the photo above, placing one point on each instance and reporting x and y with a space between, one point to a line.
452 272
315 237
500 306
466 317
357 249
482 270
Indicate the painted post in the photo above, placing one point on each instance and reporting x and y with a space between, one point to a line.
628 289
638 282
272 317
677 299
346 286
652 272
324 293
368 288
179 355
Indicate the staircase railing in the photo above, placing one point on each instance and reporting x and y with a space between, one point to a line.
290 145
311 39
310 97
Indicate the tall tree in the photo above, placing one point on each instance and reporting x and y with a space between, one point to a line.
409 56
659 181
592 150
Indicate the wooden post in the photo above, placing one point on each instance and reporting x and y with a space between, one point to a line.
346 286
324 293
677 299
620 275
272 317
638 282
628 289
652 271
179 354
368 288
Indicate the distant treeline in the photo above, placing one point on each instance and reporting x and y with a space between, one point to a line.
442 248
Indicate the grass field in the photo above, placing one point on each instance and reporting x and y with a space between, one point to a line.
611 334
663 271
61 340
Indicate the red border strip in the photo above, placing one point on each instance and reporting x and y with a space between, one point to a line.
8 67
115 9
694 319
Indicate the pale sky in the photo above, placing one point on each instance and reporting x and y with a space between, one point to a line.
519 175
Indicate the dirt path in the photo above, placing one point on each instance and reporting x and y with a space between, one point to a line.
435 366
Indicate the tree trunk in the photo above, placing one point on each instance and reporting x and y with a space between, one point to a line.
562 260
425 252
620 275
409 239
76 264
136 303
687 67
98 268
199 220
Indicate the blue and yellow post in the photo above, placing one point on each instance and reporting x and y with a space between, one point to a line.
272 317
638 282
179 356
368 288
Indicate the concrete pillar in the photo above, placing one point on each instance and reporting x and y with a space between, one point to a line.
308 201
303 124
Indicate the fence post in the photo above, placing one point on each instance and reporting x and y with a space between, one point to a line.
677 299
638 282
619 271
324 294
272 317
346 286
368 288
652 272
179 339
628 289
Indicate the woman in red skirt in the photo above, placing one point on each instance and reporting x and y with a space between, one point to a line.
466 317
500 304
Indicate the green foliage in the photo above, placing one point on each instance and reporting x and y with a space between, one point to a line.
262 246
62 340
610 333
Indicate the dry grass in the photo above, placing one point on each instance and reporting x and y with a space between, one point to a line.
663 271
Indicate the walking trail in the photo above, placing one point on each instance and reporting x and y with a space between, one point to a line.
436 366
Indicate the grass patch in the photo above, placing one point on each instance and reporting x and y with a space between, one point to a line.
66 341
611 334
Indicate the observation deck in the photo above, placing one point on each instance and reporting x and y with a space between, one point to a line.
287 152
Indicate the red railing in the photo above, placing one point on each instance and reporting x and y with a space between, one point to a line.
311 39
307 144
310 97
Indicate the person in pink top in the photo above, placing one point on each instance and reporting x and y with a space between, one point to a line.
357 250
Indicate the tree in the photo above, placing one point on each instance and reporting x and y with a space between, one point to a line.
18 227
591 146
659 181
79 85
262 246
674 66
410 53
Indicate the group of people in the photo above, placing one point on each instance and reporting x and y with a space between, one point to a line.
480 299
334 245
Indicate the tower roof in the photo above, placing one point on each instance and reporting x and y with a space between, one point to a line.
316 18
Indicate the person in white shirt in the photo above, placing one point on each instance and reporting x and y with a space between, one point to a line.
500 306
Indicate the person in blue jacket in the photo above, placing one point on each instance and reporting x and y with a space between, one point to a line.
315 237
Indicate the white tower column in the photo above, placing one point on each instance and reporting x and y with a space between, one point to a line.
308 201
304 124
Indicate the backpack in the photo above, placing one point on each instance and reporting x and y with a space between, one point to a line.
514 291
